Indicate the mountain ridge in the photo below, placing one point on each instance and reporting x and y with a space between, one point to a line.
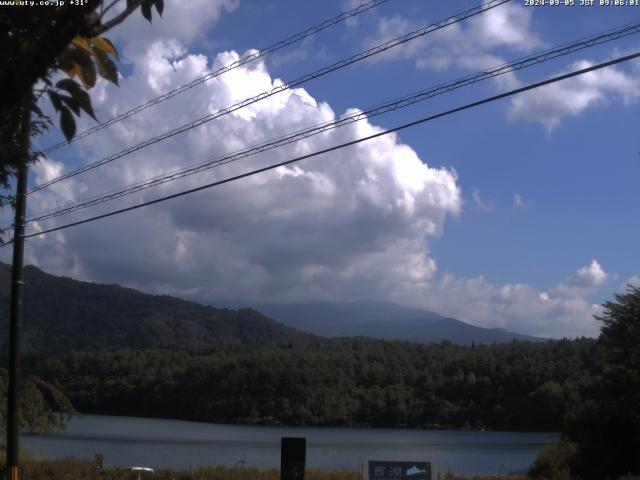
384 320
62 314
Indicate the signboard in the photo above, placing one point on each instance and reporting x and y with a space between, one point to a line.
379 470
293 453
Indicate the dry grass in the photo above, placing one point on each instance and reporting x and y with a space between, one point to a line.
74 469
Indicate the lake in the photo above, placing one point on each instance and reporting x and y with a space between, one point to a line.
158 443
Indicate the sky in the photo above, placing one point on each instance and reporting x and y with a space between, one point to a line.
517 214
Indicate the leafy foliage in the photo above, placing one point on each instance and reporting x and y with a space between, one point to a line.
554 462
39 42
146 6
80 59
42 406
350 382
14 140
606 428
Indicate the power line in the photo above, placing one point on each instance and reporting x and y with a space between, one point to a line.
281 88
393 105
242 61
343 145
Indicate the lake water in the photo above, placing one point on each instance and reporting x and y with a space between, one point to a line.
157 443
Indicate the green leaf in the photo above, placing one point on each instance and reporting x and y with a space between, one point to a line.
68 85
145 8
87 71
79 95
67 123
84 100
159 6
55 100
107 68
71 103
88 75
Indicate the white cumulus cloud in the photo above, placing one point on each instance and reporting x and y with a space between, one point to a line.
351 224
344 225
519 202
481 203
470 45
514 306
635 281
585 280
183 21
548 105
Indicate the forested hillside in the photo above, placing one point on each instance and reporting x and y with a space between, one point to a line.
62 315
115 350
514 386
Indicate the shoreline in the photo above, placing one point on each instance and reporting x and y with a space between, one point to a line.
176 444
278 424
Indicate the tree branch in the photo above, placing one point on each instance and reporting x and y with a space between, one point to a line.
20 78
107 8
118 19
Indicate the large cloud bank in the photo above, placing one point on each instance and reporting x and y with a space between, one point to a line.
347 225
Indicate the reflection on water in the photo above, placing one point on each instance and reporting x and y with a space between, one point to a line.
127 441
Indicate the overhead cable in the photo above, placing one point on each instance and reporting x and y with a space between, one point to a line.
281 88
343 145
242 61
386 107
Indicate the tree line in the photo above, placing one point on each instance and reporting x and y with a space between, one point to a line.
514 386
587 389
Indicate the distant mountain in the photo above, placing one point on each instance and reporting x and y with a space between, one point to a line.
62 315
347 319
383 320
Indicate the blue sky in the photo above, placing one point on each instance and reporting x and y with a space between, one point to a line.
518 214
577 180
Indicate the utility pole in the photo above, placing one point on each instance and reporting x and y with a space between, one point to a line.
17 288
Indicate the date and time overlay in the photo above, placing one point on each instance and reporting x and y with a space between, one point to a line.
526 3
581 3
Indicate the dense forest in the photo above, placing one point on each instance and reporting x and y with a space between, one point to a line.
118 351
514 386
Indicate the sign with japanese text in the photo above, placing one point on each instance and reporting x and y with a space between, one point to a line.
384 470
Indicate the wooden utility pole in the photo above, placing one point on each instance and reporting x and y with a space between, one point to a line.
17 288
